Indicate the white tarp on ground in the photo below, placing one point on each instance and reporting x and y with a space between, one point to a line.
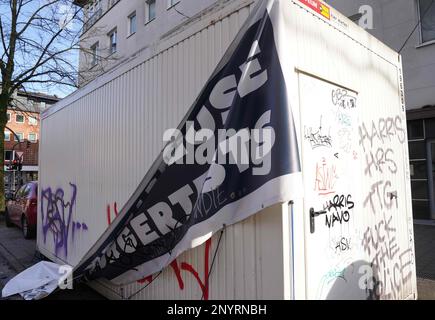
35 283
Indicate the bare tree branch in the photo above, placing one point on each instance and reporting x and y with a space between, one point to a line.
2 34
34 16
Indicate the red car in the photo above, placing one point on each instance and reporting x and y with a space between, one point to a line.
21 209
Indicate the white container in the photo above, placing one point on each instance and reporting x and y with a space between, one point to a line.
98 144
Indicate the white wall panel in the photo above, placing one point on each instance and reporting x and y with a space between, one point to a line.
350 58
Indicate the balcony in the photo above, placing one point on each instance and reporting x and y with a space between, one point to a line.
112 3
97 14
92 19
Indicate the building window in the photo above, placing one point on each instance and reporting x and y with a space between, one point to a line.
172 3
415 130
427 18
95 54
113 38
132 23
20 136
19 118
33 137
150 10
9 116
9 155
33 121
7 136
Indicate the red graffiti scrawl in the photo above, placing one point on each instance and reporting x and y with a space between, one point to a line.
326 178
109 213
148 279
203 283
174 266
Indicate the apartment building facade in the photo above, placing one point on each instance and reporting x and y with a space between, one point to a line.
116 30
22 136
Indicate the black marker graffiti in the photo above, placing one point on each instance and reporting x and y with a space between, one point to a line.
341 245
341 98
318 138
338 210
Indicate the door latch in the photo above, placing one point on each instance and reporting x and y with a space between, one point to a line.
313 215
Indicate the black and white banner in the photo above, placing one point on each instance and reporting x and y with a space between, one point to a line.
234 154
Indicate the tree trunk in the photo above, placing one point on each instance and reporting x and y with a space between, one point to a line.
4 101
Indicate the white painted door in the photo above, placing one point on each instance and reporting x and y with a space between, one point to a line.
329 118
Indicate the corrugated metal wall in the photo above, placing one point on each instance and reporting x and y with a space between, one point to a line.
114 133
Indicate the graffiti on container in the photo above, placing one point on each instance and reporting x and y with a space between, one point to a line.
326 178
343 99
146 280
109 213
379 161
392 266
174 265
343 119
382 196
341 245
384 131
345 139
57 218
318 138
337 272
334 274
339 210
178 267
355 155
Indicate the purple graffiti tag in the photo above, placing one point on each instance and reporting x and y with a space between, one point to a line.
57 214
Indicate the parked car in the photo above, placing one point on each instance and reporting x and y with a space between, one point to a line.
21 209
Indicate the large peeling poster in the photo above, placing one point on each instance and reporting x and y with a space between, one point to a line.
235 153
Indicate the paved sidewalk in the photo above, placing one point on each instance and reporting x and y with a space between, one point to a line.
424 233
425 251
17 254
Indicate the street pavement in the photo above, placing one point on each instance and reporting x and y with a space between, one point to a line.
425 259
17 254
425 250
